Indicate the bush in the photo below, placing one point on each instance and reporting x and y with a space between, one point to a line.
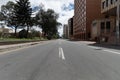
23 34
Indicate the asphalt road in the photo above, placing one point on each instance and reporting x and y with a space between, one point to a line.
61 60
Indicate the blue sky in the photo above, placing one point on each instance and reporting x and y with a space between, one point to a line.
68 8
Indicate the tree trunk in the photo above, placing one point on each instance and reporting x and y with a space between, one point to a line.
27 31
15 34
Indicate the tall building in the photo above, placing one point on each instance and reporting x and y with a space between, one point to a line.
70 25
66 31
85 12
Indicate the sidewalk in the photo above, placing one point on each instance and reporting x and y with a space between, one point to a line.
110 46
92 43
15 46
88 42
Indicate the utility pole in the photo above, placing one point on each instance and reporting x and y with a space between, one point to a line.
118 22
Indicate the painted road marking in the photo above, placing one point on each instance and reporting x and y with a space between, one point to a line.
61 54
112 51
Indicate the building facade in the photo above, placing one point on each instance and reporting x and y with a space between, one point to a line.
85 12
70 25
66 31
109 6
102 29
109 9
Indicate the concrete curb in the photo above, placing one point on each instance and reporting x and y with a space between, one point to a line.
16 46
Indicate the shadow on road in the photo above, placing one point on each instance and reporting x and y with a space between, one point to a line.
110 46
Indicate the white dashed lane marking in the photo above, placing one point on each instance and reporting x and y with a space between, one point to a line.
61 54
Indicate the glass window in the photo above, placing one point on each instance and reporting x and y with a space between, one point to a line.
111 1
108 25
103 5
106 3
102 25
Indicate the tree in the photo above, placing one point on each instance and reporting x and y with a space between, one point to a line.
35 33
13 22
17 15
23 13
22 33
7 13
2 16
47 20
7 10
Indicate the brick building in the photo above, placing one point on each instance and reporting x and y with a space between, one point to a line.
109 9
85 12
104 30
70 25
66 31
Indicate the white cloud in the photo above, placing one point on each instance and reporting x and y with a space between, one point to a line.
52 4
4 1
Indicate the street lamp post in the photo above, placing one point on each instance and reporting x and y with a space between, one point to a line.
118 22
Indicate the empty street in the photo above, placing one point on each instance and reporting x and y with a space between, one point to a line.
61 60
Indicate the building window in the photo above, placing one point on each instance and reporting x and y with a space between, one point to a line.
107 3
108 25
103 5
119 28
111 1
102 25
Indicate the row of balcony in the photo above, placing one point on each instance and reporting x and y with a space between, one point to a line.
108 4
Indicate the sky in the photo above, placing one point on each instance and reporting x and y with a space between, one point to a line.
65 8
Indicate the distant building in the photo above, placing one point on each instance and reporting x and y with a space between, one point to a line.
66 31
85 12
5 32
70 25
2 24
4 29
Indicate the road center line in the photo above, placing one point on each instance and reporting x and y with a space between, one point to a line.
112 51
61 54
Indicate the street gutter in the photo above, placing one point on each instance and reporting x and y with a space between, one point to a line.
5 48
